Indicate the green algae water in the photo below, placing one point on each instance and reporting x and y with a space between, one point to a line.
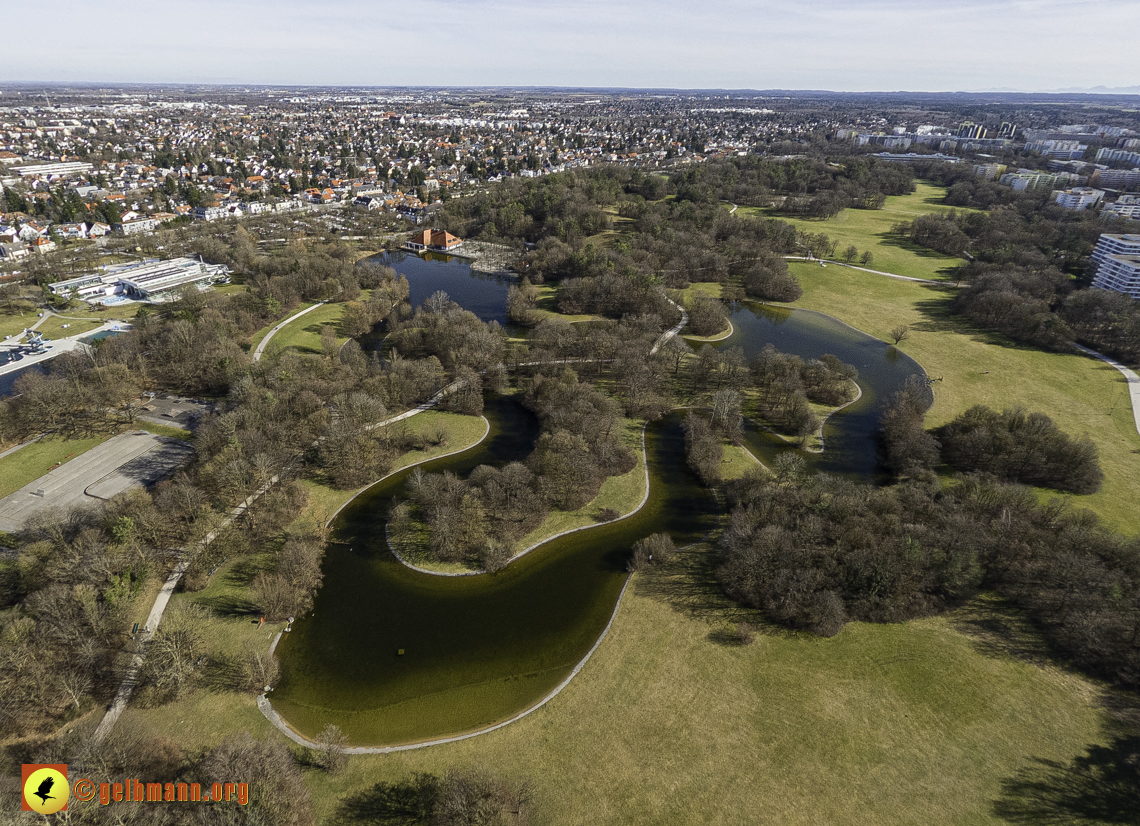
479 649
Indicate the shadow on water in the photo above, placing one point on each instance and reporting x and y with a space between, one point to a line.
475 650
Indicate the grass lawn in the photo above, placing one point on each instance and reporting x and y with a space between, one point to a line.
304 334
256 338
53 327
229 289
672 723
164 430
30 463
737 461
1081 394
13 325
870 229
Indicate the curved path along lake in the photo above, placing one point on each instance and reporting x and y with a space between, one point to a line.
396 656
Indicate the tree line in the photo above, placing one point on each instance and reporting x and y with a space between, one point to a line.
817 552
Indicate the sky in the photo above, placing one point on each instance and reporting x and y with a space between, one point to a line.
841 45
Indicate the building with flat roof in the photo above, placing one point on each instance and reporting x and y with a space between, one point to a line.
914 157
1126 206
1079 197
1125 155
47 169
1116 178
148 281
1064 150
1117 259
1028 179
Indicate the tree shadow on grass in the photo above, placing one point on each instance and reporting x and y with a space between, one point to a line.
1100 787
220 674
407 803
903 242
689 586
226 605
245 570
998 629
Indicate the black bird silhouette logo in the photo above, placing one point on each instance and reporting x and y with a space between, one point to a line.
45 787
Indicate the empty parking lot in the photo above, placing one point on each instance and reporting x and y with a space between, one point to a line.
126 461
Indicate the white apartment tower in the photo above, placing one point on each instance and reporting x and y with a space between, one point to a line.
1117 259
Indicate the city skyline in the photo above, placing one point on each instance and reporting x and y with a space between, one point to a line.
882 45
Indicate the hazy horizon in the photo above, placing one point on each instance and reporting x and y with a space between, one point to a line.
819 45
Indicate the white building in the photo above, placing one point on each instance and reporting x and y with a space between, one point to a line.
136 225
1118 264
149 281
1066 150
210 213
69 168
1079 197
1125 155
1126 206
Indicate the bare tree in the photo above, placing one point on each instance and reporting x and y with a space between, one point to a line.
900 333
330 754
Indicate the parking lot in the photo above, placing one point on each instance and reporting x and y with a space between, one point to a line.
126 461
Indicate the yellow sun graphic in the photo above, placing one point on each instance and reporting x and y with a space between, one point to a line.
45 797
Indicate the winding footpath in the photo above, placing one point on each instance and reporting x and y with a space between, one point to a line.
260 348
1133 381
275 719
130 680
873 272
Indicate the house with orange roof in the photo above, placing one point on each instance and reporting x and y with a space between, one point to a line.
437 240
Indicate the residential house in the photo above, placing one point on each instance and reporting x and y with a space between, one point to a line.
136 226
42 246
32 230
97 229
13 251
72 231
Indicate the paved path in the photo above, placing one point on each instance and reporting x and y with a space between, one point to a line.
260 348
118 464
130 680
1130 377
122 697
672 332
59 345
875 272
273 717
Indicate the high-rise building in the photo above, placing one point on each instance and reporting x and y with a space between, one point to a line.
1007 130
1125 155
969 129
1117 259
